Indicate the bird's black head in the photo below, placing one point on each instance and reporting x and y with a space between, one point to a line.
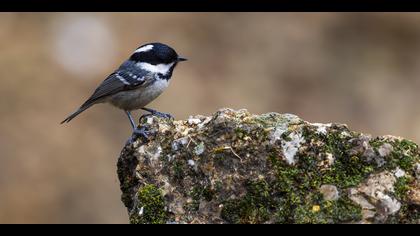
156 53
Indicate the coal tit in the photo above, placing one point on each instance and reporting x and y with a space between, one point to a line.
137 82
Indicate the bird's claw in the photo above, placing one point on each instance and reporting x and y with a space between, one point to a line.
142 132
162 115
158 113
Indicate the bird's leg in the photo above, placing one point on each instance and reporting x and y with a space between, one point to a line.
142 131
133 124
158 113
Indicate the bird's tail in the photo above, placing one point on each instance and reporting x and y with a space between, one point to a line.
80 110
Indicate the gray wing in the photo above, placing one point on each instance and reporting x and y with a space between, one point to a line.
125 78
121 80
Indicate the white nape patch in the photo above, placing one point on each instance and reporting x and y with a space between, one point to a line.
159 68
144 48
122 79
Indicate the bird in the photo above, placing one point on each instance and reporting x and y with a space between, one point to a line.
137 82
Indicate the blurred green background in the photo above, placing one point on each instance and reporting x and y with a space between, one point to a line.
360 69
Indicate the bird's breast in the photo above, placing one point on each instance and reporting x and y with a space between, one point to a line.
140 97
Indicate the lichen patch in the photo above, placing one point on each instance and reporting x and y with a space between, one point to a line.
291 146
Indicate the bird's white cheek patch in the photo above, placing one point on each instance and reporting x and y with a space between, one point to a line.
144 48
159 68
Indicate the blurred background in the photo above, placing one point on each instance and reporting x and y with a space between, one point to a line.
360 69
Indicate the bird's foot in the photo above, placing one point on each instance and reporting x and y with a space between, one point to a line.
142 132
158 113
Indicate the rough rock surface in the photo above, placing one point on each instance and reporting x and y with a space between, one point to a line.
235 167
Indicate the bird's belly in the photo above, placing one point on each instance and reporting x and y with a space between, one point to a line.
140 97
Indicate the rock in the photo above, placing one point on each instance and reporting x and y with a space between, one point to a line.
235 167
329 192
414 194
376 191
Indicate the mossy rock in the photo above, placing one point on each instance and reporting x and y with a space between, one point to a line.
235 167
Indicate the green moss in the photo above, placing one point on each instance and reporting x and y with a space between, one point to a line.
294 194
376 143
331 142
407 145
199 193
298 186
404 155
303 214
264 121
255 207
300 209
240 133
241 212
406 162
347 170
336 144
179 168
151 200
409 213
342 210
402 186
290 199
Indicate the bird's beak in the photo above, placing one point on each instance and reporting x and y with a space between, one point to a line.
182 59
